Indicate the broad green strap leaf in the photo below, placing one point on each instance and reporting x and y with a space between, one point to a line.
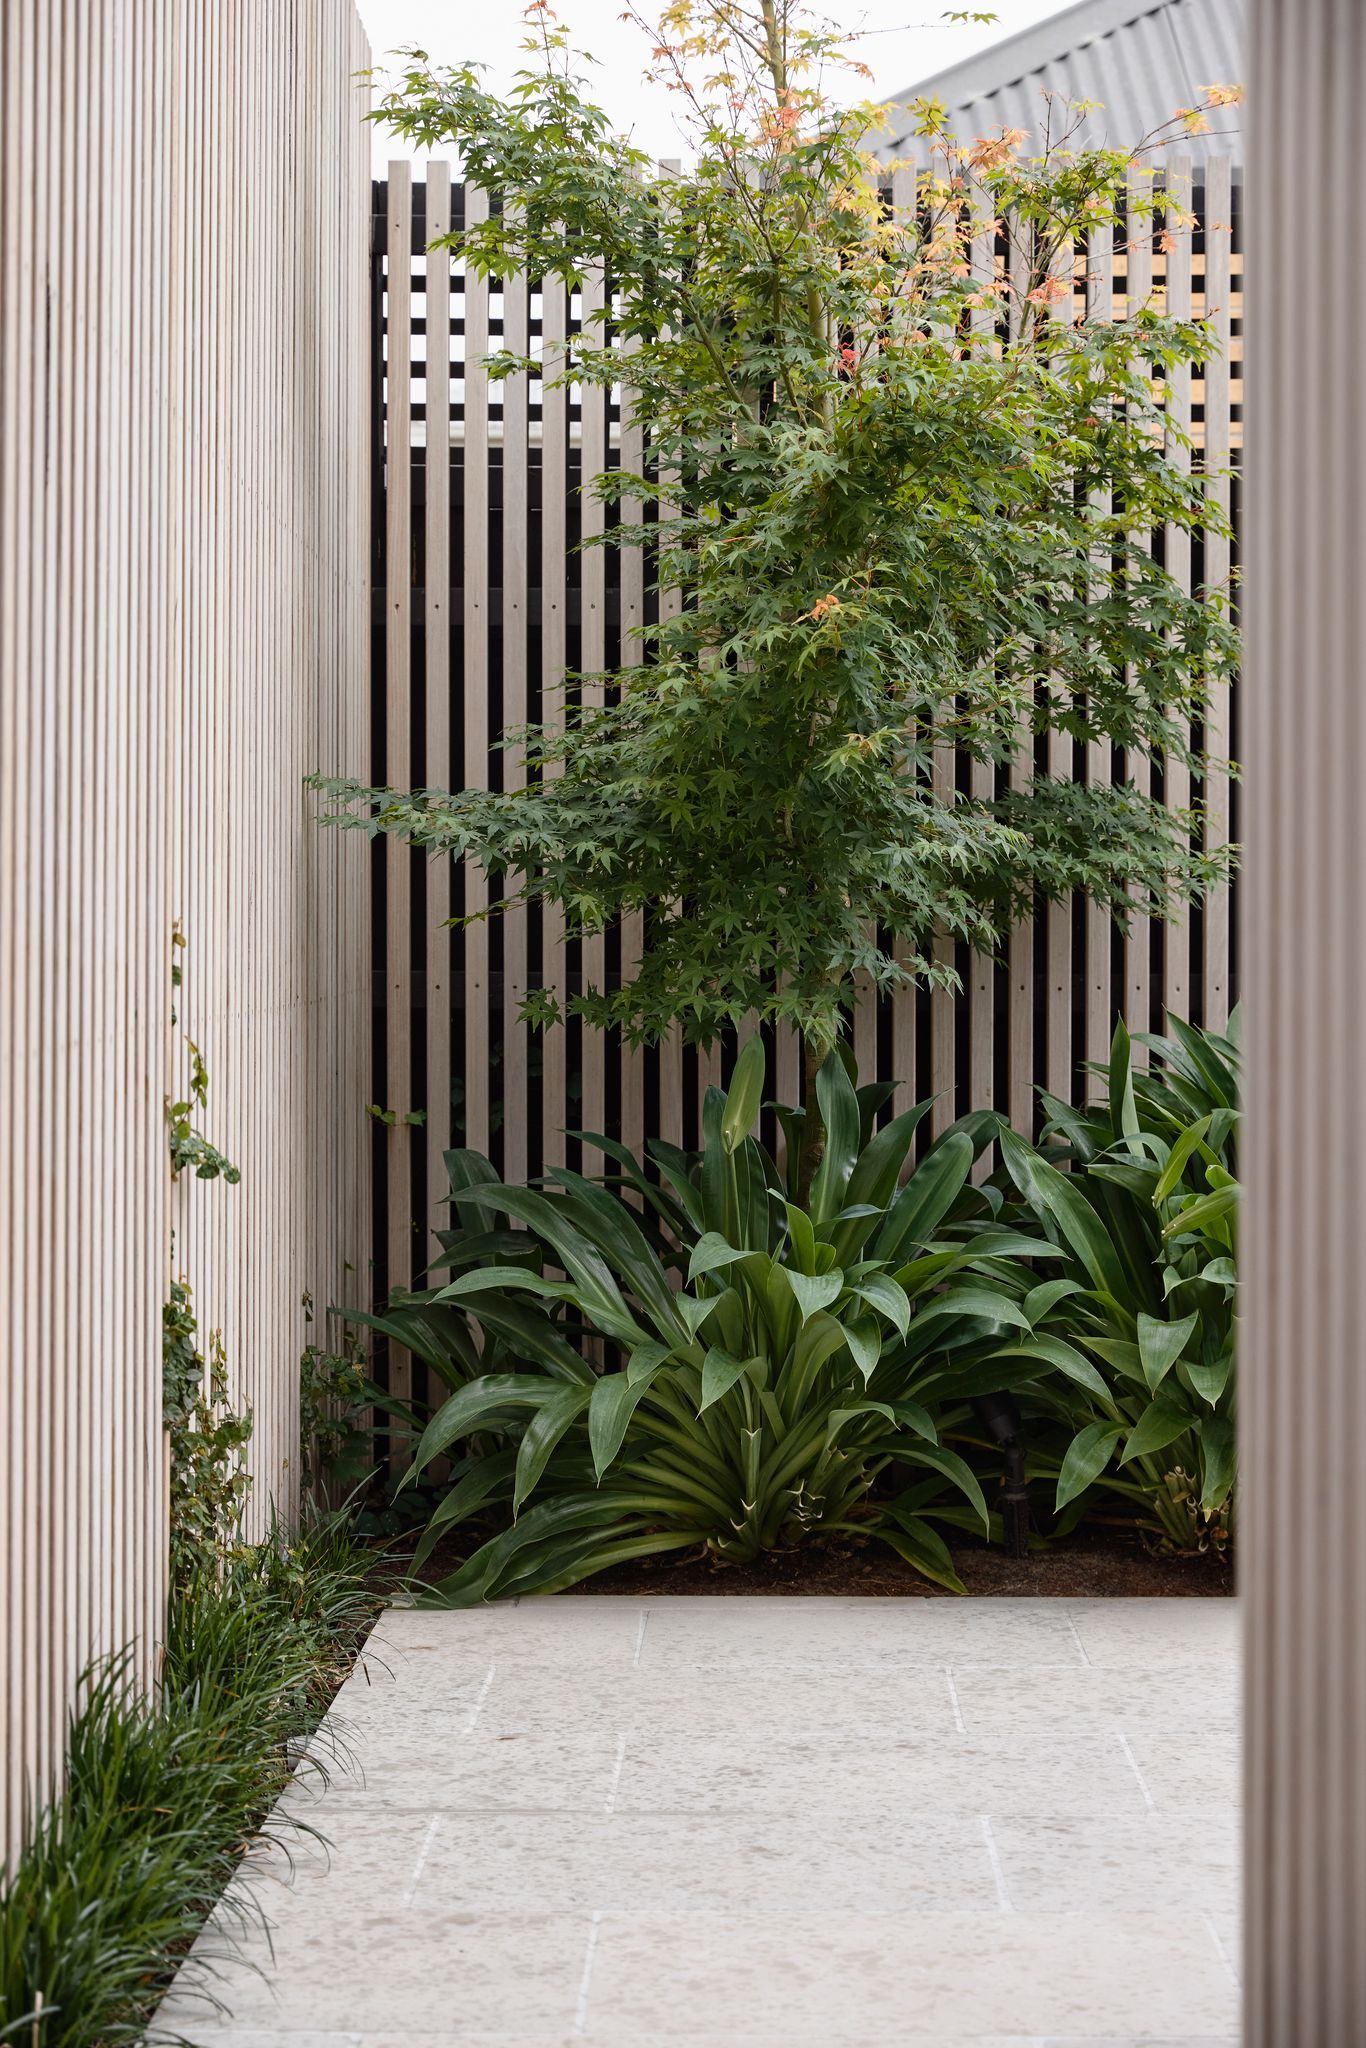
467 1169
753 1202
599 1294
472 1405
816 1341
528 1331
1087 1456
609 1223
1065 1212
716 1174
600 1557
1122 1173
941 1459
1212 1071
979 1126
840 1110
875 1176
926 1549
1046 1296
1123 1109
566 1516
955 1381
882 1293
912 1416
1159 1425
473 1247
1161 1344
610 1409
485 1278
842 1415
814 1291
1208 1380
918 1275
975 1303
1119 1353
864 1338
872 1095
773 1414
542 1433
1189 1142
926 1199
646 1360
711 1252
694 1311
1223 1126
802 1238
1084 1134
728 1328
994 1241
626 1159
483 1480
745 1094
1064 1358
673 1164
1220 1452
719 1374
1203 1214
411 1328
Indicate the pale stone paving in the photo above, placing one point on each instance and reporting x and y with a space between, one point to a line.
760 1823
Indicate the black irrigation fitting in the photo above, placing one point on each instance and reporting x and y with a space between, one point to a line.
999 1415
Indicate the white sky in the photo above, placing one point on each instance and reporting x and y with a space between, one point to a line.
909 39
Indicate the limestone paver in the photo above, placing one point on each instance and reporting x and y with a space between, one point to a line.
755 1823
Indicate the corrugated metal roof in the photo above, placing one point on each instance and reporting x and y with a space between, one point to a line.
1138 59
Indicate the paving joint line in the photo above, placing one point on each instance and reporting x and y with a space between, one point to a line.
1234 1979
411 1890
1122 1739
958 1720
1076 1637
1003 1898
613 1788
586 1980
477 1709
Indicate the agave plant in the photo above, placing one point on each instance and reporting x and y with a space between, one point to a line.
619 1414
1143 1226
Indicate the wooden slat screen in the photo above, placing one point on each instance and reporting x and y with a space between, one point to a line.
1034 1016
184 192
1302 1355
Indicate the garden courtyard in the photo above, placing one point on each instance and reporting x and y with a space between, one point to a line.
679 1009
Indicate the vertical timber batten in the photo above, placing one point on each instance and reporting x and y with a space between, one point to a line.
1302 1416
1031 1016
183 636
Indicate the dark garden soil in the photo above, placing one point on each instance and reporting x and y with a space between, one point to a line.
1086 1565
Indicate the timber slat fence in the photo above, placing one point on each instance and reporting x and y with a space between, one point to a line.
183 501
481 601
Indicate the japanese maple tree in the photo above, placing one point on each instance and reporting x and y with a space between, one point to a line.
914 480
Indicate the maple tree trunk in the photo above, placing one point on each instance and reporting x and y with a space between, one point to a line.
813 1134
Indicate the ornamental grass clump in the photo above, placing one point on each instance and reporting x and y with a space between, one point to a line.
162 1791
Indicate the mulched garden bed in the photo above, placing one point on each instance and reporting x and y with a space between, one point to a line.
1086 1565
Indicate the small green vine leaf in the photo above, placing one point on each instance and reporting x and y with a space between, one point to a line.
390 1117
